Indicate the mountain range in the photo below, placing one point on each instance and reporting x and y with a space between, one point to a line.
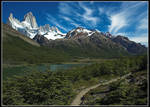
29 27
79 42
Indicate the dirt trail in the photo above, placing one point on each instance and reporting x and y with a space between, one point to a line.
77 100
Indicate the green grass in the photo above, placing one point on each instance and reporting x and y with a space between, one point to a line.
17 51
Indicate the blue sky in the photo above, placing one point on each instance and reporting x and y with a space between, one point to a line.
119 18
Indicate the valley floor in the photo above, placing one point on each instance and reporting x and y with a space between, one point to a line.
77 84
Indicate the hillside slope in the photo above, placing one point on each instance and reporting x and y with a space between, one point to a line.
131 46
95 46
93 43
18 49
7 30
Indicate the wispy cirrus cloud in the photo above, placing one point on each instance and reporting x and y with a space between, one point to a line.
88 15
143 24
67 18
143 39
101 10
131 20
140 39
126 16
64 8
118 21
55 22
72 22
78 13
69 12
75 24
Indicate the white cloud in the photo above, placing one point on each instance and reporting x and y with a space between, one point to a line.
126 16
93 20
77 13
140 39
88 15
60 26
88 11
67 18
132 16
75 24
143 24
84 14
118 21
64 8
72 22
70 13
55 22
101 10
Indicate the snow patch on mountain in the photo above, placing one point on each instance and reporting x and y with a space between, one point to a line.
50 32
29 18
29 27
53 36
80 30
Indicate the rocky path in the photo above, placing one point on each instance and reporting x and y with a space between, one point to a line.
77 100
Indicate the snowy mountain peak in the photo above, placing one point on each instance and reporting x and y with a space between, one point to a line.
30 19
107 34
14 23
79 31
53 28
11 16
29 13
30 28
52 32
44 29
47 27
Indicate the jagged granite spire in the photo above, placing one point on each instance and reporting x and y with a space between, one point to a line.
29 18
13 22
29 27
10 18
44 29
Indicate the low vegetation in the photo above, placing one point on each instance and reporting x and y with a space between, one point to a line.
130 91
18 51
60 87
